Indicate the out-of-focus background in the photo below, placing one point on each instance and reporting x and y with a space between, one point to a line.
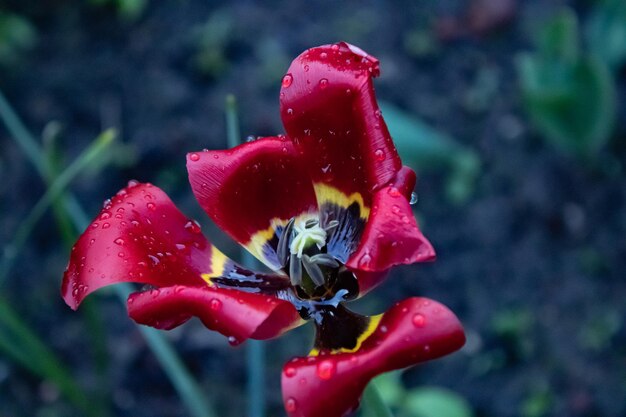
512 113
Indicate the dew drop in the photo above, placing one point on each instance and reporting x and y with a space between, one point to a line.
106 225
105 215
323 55
290 405
193 226
215 304
306 68
250 138
287 80
290 372
180 246
151 206
394 192
365 260
414 198
121 254
194 157
154 259
379 154
323 83
232 340
326 370
290 111
383 329
419 320
132 183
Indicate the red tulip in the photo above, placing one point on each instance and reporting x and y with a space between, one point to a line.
326 207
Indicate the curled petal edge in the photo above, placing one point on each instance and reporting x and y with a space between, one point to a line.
236 314
412 331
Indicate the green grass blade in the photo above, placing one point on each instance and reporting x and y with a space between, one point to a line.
187 388
19 342
99 145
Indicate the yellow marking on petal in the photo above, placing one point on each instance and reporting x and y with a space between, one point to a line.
218 262
371 328
328 194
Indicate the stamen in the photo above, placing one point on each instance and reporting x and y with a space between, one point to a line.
295 270
325 260
314 271
332 225
283 243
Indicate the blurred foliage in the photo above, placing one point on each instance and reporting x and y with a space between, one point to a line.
568 92
605 31
598 330
425 148
420 401
17 35
538 403
212 40
513 329
126 9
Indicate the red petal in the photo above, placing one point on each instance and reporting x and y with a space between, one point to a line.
329 110
391 235
251 190
139 236
236 314
413 331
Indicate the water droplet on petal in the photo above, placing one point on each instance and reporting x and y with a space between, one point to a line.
151 206
290 405
105 215
323 55
379 154
193 226
290 372
419 320
290 111
119 241
132 183
323 83
306 68
394 192
215 304
365 260
287 80
180 246
414 198
326 370
106 225
232 340
194 157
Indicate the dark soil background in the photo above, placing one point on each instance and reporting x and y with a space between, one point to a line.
533 262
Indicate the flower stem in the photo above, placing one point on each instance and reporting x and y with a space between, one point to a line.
255 351
373 403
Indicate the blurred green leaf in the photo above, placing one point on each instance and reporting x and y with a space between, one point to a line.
605 31
537 404
559 37
17 35
390 387
435 402
425 148
569 96
212 39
